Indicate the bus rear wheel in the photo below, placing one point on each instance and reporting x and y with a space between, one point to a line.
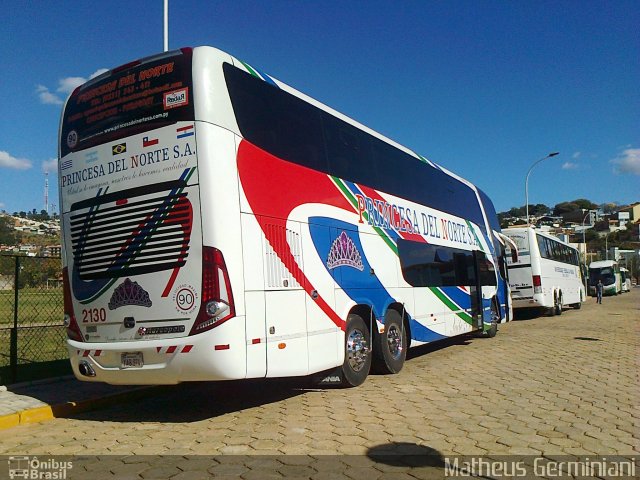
357 352
558 304
390 347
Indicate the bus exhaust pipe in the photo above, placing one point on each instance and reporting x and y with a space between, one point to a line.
86 370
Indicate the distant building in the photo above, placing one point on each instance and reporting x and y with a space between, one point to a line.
52 251
633 210
549 221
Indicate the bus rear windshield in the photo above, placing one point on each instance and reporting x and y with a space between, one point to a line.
134 98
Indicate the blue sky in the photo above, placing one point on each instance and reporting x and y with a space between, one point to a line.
484 88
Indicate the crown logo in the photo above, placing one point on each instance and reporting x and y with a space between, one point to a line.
129 293
344 252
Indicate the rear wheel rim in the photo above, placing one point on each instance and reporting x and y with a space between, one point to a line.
394 342
357 350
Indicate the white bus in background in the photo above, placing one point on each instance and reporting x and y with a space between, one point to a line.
546 274
609 272
625 278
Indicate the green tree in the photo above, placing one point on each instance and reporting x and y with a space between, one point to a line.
565 207
539 209
7 233
517 212
585 204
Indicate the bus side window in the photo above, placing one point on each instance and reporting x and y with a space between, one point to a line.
347 151
542 245
486 271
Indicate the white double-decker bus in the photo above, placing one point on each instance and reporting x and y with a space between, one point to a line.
546 274
218 224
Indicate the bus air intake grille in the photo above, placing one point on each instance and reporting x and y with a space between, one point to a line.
132 236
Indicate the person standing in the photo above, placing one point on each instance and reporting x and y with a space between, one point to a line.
599 288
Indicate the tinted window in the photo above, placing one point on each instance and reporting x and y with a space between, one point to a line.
138 97
277 122
292 129
425 265
486 271
348 151
542 246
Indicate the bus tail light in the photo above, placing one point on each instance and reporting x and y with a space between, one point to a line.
216 304
73 330
537 284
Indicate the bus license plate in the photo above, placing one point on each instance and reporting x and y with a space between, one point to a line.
132 360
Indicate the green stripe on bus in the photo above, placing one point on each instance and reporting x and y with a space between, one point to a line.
347 193
452 306
251 70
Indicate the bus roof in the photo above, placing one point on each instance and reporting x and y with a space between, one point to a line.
603 263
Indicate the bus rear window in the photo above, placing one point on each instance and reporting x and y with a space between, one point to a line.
133 98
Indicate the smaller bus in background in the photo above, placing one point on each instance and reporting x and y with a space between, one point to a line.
546 274
625 278
607 271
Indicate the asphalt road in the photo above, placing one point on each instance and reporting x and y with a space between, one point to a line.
563 385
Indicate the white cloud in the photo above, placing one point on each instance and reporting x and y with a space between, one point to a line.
576 155
50 165
9 161
69 84
627 162
66 85
570 166
47 97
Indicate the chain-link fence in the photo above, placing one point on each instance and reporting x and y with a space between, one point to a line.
32 335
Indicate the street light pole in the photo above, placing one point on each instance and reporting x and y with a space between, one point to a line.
166 25
526 182
583 235
584 241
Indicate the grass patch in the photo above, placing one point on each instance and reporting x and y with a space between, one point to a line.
35 306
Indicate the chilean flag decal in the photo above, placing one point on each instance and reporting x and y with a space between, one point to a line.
147 142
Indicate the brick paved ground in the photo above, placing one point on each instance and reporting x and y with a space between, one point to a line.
565 385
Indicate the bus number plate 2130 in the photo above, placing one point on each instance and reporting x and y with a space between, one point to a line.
132 360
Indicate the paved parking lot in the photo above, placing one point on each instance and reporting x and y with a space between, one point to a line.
564 385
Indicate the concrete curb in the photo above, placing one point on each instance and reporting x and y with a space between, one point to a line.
49 412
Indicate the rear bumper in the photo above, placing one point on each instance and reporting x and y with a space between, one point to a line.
527 302
207 356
